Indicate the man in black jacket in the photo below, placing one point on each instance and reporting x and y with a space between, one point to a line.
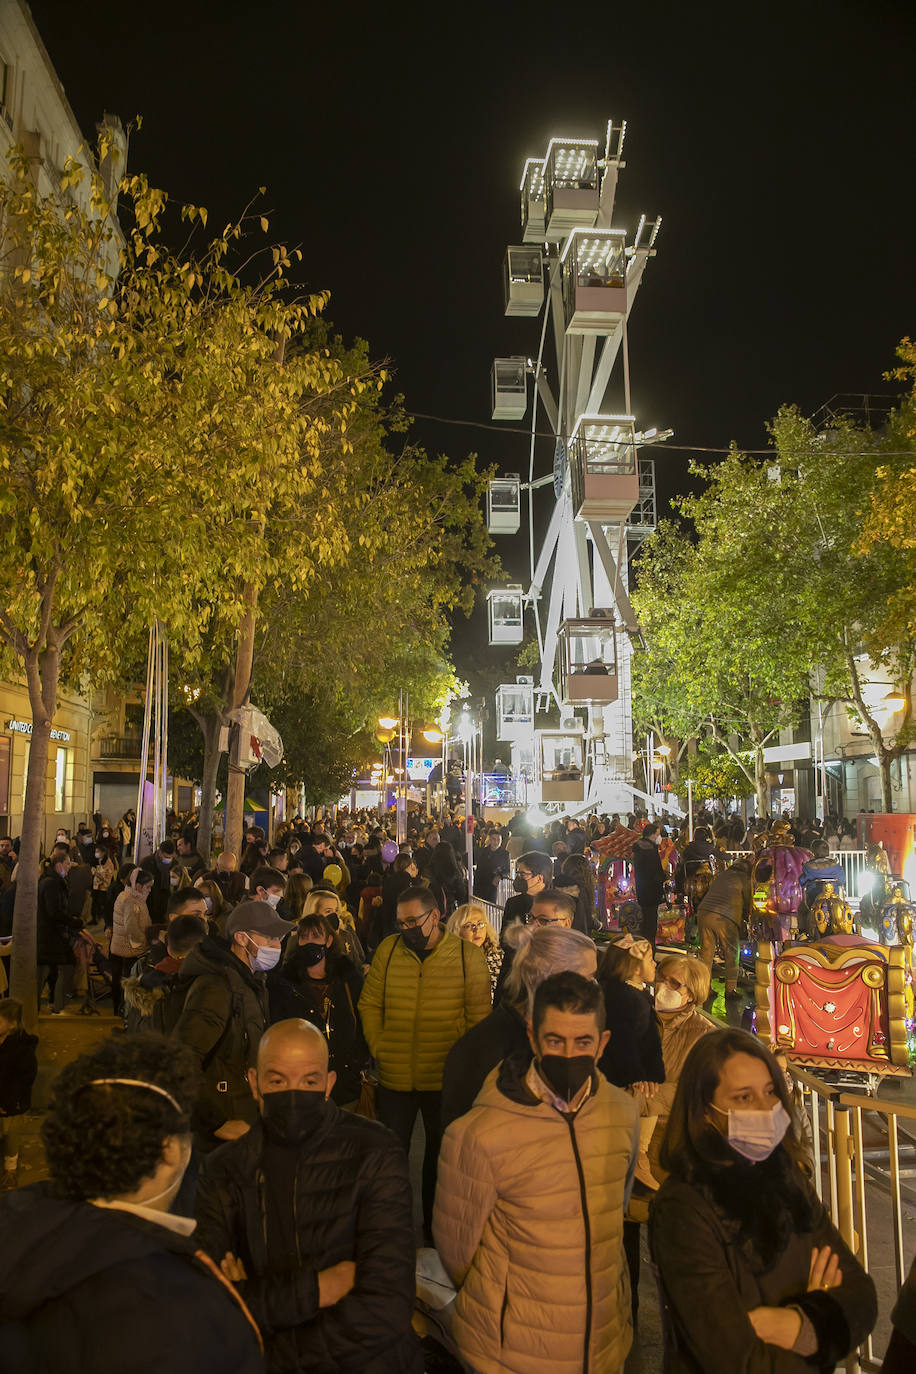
649 879
224 1016
310 1213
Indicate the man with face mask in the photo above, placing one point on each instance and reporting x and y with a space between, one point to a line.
310 1214
550 1141
425 988
224 1016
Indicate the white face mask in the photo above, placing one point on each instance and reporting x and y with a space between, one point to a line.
667 999
265 958
208 903
273 899
755 1135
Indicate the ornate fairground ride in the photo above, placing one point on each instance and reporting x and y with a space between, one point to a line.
578 273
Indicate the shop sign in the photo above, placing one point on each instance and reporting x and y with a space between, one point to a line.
24 727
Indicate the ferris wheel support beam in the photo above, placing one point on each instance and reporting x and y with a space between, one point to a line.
547 401
586 599
550 543
612 573
586 368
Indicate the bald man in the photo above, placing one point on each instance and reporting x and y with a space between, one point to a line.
310 1214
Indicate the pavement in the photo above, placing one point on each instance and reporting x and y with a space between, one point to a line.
60 1039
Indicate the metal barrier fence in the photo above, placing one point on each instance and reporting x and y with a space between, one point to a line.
852 860
842 1166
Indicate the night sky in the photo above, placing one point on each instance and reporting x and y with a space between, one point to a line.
775 140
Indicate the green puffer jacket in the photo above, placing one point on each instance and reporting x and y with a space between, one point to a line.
414 1010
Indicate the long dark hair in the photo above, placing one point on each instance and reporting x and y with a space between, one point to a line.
762 1205
692 1147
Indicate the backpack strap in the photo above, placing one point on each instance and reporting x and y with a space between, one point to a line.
385 978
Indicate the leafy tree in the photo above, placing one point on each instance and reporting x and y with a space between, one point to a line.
849 584
142 421
718 776
719 661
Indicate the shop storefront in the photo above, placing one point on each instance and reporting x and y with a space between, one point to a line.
67 800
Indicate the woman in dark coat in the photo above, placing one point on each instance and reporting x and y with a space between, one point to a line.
96 1273
320 984
755 1275
633 1057
57 929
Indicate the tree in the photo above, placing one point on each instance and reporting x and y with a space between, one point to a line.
848 577
718 776
403 544
719 660
141 421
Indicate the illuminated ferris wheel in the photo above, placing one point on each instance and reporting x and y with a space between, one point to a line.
580 274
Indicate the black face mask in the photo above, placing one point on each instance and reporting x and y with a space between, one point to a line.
290 1117
566 1076
520 884
311 954
416 938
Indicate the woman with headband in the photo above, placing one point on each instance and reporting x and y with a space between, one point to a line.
95 1271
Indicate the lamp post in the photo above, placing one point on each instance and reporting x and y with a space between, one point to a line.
467 733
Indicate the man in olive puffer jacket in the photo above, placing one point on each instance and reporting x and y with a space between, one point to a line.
425 988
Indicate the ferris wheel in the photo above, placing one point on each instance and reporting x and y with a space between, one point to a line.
580 274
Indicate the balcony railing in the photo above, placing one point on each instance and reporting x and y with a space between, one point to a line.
120 747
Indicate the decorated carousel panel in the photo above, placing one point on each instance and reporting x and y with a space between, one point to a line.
843 1002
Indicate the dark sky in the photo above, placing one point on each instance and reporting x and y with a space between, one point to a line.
775 140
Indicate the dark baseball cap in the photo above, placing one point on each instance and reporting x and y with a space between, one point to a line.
259 917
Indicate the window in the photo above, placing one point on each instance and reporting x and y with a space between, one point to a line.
60 780
4 775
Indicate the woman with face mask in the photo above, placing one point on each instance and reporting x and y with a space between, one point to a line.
318 982
117 1140
129 929
755 1275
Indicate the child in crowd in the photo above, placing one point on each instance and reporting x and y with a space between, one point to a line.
18 1067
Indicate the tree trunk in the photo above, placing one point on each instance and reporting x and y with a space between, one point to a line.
210 727
235 790
885 759
42 673
760 780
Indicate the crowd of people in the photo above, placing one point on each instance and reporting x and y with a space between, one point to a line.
229 1181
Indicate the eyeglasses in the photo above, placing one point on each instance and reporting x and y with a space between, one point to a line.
474 926
674 983
548 920
414 925
520 874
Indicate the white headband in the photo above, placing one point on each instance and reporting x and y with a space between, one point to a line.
138 1083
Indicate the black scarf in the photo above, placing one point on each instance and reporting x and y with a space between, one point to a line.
762 1205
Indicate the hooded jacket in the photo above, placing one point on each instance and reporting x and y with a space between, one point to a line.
222 1021
331 1006
413 1010
86 1290
351 1200
528 1221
